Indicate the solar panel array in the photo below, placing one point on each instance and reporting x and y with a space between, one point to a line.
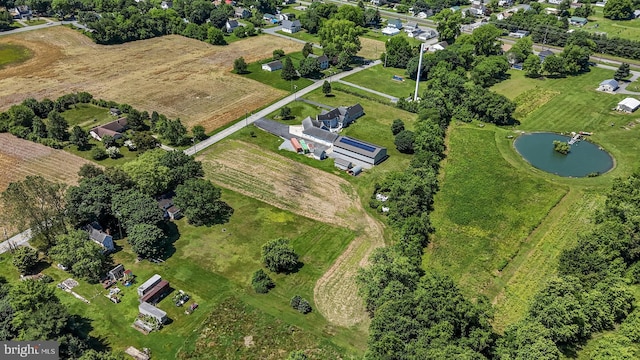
357 144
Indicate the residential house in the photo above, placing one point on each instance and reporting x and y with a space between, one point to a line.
601 3
505 3
170 211
22 12
231 25
390 31
394 23
477 9
166 5
340 117
283 17
422 15
291 27
427 34
313 130
113 129
410 27
101 238
544 53
272 66
578 21
414 33
519 34
438 46
628 105
554 2
242 13
609 85
323 61
270 18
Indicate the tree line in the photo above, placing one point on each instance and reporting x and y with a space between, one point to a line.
423 315
548 29
43 122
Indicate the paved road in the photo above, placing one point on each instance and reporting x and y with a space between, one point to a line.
272 31
268 110
43 26
393 99
15 241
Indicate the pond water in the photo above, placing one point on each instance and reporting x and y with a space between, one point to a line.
583 159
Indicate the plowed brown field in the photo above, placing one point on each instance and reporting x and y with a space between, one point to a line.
174 75
20 158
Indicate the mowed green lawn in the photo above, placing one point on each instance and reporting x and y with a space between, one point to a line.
213 264
578 107
274 78
380 78
628 29
484 210
87 116
13 54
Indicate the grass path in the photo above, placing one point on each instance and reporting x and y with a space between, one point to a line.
538 259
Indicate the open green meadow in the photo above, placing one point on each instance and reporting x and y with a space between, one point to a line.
380 78
13 54
299 111
484 211
213 264
273 78
500 223
87 116
628 29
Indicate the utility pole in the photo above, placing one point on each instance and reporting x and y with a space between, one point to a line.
415 94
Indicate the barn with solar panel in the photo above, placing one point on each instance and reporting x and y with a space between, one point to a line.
350 148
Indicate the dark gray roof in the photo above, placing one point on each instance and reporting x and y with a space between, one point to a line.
545 53
321 134
329 115
342 162
323 58
274 64
288 24
357 146
309 123
232 23
355 109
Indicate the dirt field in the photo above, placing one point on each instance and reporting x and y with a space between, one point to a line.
21 158
312 193
174 75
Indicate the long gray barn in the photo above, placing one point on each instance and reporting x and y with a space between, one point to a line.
369 153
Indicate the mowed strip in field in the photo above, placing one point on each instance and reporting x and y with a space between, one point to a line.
173 75
21 158
308 192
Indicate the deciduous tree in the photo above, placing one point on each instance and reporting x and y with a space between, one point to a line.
618 9
83 257
37 311
132 207
148 173
38 204
146 240
622 72
79 137
326 88
200 202
398 52
448 27
278 256
532 66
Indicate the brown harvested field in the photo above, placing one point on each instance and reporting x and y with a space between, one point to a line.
174 75
312 193
20 158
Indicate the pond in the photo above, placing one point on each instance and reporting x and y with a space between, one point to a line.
584 158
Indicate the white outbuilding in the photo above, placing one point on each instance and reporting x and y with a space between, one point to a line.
628 105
